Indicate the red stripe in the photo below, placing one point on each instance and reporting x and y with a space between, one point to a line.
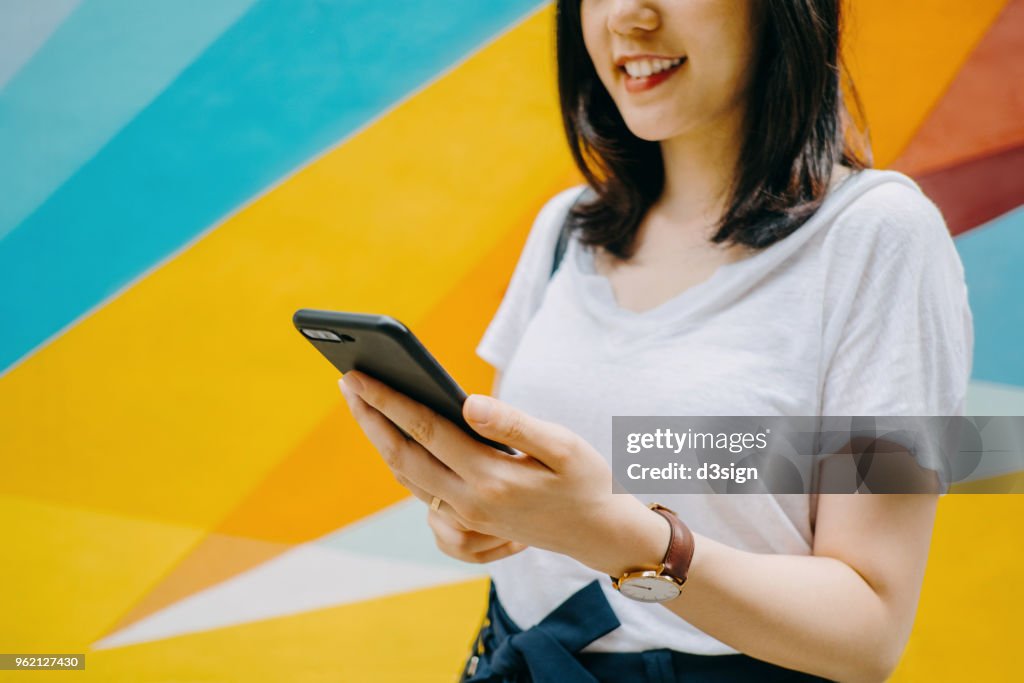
976 191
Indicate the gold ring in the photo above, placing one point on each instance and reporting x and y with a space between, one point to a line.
435 503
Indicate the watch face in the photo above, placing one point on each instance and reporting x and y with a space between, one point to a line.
649 588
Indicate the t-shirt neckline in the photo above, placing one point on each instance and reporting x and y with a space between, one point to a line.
598 288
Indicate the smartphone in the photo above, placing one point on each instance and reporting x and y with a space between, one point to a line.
386 350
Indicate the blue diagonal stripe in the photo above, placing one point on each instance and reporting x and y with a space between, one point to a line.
285 81
992 255
102 66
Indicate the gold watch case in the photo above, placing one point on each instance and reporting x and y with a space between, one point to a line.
648 585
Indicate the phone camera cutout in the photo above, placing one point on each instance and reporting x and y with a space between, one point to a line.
325 335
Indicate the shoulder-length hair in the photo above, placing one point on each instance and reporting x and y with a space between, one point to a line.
797 127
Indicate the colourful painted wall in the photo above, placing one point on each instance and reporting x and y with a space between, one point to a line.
182 493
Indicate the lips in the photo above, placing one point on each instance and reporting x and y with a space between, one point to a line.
644 77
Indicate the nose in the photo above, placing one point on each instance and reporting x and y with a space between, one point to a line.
628 17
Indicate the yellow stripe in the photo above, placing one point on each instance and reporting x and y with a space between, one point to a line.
68 573
968 620
419 637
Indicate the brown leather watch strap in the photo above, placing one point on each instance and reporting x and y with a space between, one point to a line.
680 544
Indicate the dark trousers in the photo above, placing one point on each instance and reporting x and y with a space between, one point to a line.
549 652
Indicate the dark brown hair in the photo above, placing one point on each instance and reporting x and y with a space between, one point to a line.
797 127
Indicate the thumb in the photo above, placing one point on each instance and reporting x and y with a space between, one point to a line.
550 443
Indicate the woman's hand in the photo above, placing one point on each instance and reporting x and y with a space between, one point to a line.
555 494
467 545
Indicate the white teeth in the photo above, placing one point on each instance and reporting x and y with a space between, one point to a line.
641 68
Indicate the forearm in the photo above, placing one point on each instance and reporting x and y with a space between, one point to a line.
809 613
805 612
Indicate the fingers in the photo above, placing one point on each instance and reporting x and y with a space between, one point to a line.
501 552
440 437
407 459
551 444
469 546
464 540
445 511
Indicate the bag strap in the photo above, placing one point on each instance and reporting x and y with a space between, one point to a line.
563 234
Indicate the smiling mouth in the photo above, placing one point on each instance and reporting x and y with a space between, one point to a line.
644 74
645 68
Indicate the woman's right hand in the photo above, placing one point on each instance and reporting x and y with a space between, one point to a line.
457 541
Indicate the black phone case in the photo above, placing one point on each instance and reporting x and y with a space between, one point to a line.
387 350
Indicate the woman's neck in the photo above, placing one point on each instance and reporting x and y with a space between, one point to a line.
699 169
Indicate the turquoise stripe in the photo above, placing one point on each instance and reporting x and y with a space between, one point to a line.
104 64
399 532
24 26
286 81
993 255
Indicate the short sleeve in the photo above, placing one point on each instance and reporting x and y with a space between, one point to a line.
529 280
898 326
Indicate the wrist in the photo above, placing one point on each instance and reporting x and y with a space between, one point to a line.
631 535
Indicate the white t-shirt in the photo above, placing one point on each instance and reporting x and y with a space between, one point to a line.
862 311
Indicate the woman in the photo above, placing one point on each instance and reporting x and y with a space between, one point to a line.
739 259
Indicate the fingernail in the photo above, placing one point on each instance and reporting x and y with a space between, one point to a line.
353 382
478 408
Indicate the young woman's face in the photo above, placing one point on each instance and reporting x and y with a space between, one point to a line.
703 49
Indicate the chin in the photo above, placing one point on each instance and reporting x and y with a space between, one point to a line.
651 131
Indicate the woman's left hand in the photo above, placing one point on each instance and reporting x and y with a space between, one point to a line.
555 494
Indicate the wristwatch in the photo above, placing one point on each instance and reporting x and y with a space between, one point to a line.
666 581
